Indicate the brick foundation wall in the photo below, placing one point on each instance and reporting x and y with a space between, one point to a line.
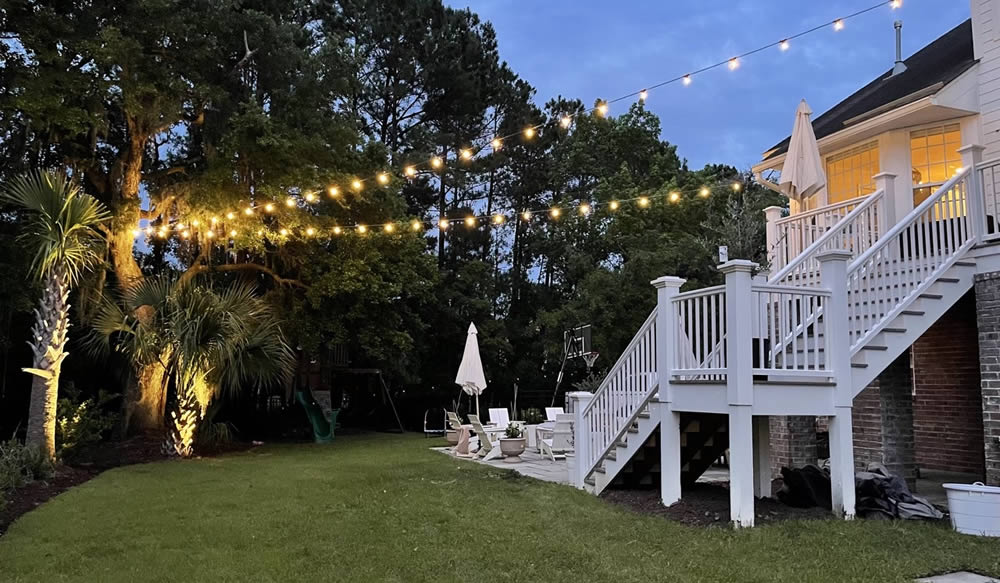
867 421
793 442
947 402
987 289
883 421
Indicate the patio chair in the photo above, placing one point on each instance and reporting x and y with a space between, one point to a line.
454 421
551 412
487 449
435 431
561 440
500 418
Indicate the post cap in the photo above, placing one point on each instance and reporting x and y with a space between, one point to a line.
884 175
834 255
580 396
668 281
738 266
972 148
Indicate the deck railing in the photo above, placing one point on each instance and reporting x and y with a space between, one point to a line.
786 326
796 233
700 332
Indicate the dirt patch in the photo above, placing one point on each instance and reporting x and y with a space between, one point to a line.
707 505
89 463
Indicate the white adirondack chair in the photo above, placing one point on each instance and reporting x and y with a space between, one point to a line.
454 421
487 449
551 412
560 442
500 418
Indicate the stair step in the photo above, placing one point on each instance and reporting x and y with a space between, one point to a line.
858 365
894 330
643 415
600 470
928 296
874 347
633 430
949 279
590 481
965 263
912 313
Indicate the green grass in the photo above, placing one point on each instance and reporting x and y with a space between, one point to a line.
385 508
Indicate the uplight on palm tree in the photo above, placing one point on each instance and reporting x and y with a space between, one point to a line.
60 229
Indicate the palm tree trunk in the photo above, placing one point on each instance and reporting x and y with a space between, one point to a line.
184 421
48 343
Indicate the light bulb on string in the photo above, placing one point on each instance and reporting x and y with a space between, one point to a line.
232 233
269 207
290 201
185 233
704 192
584 209
783 45
734 63
643 95
284 232
737 187
310 231
529 132
311 197
248 211
498 219
496 144
362 229
526 215
356 184
565 121
555 212
210 234
383 178
260 232
896 4
686 79
644 201
838 24
602 108
230 215
333 191
136 232
466 154
443 223
470 221
388 228
437 162
613 205
215 220
410 171
415 225
337 230
675 196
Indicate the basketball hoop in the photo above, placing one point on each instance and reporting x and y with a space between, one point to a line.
590 358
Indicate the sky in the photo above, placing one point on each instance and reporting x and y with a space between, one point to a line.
601 50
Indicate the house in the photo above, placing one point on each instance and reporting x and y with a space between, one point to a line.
878 320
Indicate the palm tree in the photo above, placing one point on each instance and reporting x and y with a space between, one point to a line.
212 344
61 229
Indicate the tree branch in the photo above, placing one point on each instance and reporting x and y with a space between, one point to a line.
197 269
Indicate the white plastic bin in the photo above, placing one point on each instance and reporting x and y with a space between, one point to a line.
974 508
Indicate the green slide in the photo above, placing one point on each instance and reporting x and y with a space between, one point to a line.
322 426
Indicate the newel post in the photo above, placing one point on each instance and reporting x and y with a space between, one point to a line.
833 274
886 182
771 215
670 430
581 436
972 157
739 388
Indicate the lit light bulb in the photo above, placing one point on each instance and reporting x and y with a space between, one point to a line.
602 109
136 232
686 79
529 132
215 220
232 233
466 154
410 171
310 231
260 232
185 234
470 221
437 162
284 232
498 219
230 215
584 209
389 227
311 197
210 234
383 178
734 63
838 24
737 187
415 225
290 201
896 4
565 121
337 230
613 205
643 95
269 207
703 192
643 201
496 144
526 215
675 196
333 191
783 45
248 211
362 229
443 223
195 223
356 184
179 226
555 212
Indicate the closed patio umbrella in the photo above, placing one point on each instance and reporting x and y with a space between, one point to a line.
470 376
802 174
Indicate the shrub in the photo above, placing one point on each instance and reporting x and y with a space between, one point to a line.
79 424
20 465
513 432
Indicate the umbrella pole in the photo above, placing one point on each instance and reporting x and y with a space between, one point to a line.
477 405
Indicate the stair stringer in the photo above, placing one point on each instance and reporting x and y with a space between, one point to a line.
625 449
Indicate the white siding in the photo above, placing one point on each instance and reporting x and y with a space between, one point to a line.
986 39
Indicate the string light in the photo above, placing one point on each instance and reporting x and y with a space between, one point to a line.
310 231
416 225
643 95
410 171
784 45
529 132
232 233
215 220
356 184
195 223
269 207
290 201
362 229
383 178
704 192
466 154
284 232
136 232
584 209
311 197
333 191
686 79
470 221
496 144
602 108
737 186
388 227
675 196
565 121
436 162
337 230
734 63
185 234
644 201
838 24
498 219
526 215
248 211
230 216
443 223
896 4
210 234
260 232
613 205
555 212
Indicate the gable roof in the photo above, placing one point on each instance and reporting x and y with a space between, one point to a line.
927 70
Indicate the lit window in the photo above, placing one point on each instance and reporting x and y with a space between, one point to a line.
849 174
934 157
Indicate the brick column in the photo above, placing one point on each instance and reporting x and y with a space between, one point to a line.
988 322
793 442
883 422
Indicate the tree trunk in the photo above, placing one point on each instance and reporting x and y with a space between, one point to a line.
48 343
145 400
184 422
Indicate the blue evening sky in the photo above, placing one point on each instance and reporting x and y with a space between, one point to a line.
591 50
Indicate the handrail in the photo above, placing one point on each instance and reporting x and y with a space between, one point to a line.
781 288
821 210
621 359
835 231
705 291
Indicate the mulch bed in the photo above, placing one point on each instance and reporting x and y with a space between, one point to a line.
89 463
707 504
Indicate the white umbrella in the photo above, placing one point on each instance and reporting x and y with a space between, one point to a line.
470 376
802 174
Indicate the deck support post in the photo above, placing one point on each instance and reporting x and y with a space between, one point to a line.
972 157
833 276
739 388
581 438
762 456
670 430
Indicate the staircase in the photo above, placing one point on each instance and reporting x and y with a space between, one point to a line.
803 342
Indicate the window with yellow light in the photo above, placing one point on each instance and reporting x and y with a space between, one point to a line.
850 174
934 157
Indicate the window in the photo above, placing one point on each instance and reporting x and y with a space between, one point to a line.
934 157
849 174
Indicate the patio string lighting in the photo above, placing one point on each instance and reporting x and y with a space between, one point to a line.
467 154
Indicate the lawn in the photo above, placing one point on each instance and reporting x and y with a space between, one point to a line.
385 508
